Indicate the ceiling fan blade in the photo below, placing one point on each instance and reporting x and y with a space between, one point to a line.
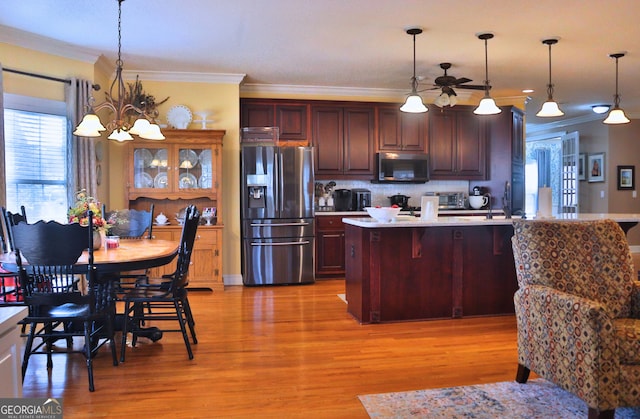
472 86
462 80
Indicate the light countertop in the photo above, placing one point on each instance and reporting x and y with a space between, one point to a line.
478 220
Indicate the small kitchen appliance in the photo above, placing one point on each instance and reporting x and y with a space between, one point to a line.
360 199
450 200
342 199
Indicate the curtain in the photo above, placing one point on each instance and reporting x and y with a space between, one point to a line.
3 174
81 158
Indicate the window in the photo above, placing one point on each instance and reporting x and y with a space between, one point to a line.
36 157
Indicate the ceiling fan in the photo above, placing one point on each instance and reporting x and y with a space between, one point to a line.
446 83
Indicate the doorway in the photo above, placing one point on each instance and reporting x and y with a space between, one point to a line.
552 161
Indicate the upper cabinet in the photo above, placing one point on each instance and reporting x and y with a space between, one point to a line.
457 144
289 117
184 166
401 131
343 137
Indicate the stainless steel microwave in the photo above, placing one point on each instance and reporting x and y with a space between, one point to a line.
398 167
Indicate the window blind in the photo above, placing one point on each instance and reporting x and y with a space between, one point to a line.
35 156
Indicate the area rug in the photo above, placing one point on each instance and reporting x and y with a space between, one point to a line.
536 399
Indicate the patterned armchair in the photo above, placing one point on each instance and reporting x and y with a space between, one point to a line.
578 310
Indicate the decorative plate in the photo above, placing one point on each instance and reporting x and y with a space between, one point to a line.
187 181
188 158
143 180
205 157
179 117
160 159
160 181
205 182
99 149
142 158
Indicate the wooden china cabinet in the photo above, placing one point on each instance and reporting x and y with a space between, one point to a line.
183 169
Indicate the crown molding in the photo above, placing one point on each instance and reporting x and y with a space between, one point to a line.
181 76
47 45
562 123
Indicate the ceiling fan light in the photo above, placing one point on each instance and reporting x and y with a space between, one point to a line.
487 106
414 104
616 116
442 100
549 109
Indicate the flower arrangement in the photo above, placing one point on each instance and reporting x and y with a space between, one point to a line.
85 203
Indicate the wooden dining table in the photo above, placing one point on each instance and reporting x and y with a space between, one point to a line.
131 255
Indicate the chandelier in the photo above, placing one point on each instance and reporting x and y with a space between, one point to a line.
120 106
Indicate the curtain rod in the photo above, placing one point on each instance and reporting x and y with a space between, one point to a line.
41 76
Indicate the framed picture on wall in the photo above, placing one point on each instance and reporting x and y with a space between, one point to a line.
581 163
596 167
626 177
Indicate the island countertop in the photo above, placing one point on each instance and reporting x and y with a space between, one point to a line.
461 221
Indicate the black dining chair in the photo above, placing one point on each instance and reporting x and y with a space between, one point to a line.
10 293
64 300
166 297
130 223
9 220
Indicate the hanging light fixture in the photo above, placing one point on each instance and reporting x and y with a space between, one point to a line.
414 103
487 105
616 116
550 107
121 131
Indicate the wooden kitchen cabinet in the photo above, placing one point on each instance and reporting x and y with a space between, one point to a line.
184 169
205 269
329 246
457 144
401 131
289 117
343 137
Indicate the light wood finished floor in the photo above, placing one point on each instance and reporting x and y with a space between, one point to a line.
285 352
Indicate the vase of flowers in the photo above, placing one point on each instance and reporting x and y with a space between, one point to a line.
79 214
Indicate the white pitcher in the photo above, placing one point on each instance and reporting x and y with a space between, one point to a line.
478 201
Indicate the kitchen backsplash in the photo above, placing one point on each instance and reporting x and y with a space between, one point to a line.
381 191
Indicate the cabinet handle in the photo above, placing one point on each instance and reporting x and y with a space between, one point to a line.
197 237
332 235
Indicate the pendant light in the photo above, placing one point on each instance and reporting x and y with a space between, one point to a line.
414 103
550 107
90 126
616 116
487 105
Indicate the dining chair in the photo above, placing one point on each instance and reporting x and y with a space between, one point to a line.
130 223
165 297
10 293
64 301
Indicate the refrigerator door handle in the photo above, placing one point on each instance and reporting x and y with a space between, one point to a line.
279 224
280 160
281 243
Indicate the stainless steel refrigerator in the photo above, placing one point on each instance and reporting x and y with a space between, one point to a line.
277 215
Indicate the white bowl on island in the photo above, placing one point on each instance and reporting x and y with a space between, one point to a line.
383 214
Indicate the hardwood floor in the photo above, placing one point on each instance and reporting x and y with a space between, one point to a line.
285 352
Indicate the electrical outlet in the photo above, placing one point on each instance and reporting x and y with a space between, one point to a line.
601 194
634 194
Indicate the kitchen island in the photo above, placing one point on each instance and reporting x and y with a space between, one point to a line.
452 267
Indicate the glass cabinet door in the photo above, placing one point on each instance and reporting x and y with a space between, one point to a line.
150 168
194 168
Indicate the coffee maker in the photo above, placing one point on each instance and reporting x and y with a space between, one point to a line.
342 199
361 198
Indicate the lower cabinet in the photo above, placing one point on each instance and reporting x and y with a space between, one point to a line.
330 246
204 270
11 351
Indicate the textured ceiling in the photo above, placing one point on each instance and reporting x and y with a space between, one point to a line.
362 43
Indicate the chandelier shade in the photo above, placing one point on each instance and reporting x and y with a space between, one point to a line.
122 111
550 108
414 103
487 105
616 116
